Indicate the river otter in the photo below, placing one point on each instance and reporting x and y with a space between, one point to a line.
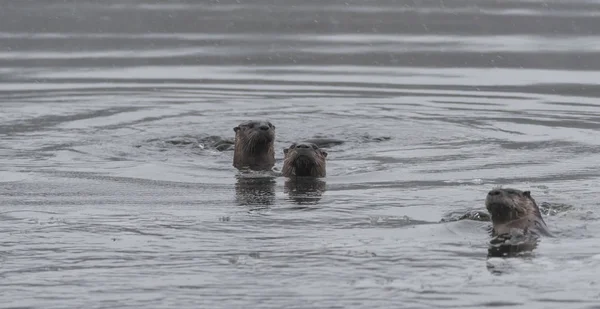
516 222
253 147
514 209
304 159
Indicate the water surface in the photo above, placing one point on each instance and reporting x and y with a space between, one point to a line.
111 195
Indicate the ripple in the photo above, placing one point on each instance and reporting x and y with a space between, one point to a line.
108 200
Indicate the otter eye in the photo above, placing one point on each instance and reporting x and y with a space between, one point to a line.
270 124
293 146
315 147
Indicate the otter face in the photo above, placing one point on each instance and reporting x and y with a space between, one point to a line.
506 205
254 148
254 131
516 222
304 159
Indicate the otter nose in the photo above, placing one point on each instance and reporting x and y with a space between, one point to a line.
494 192
303 146
264 127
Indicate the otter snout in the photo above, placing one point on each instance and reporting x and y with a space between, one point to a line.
304 150
494 192
495 199
494 195
263 131
305 154
301 149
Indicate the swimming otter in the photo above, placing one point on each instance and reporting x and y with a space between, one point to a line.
304 159
516 222
514 209
253 147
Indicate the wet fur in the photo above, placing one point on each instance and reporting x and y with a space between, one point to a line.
514 209
304 159
254 148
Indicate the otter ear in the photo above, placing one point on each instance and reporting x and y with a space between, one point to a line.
527 193
236 129
324 153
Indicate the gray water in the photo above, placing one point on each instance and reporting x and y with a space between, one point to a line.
111 195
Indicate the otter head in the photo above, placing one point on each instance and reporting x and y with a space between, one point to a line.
516 222
512 208
254 132
506 205
304 159
254 145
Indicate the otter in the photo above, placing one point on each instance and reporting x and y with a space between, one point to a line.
254 145
514 209
517 222
304 159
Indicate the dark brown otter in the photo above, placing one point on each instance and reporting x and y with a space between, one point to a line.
304 159
254 145
517 222
514 209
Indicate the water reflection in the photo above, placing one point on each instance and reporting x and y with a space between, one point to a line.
305 190
257 190
453 106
